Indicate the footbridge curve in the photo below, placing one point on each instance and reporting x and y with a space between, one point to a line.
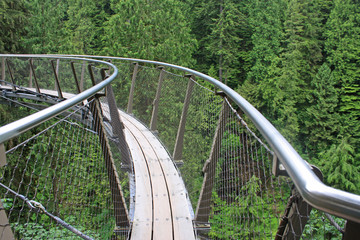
117 148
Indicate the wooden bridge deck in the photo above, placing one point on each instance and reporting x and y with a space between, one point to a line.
161 205
162 208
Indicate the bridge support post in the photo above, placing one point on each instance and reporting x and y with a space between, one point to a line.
153 122
75 77
132 89
203 206
352 230
11 75
117 126
82 76
35 79
30 74
56 74
179 143
5 228
121 212
3 68
296 214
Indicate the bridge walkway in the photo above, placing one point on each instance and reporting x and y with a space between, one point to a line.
162 207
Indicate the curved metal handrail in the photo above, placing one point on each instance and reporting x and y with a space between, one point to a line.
311 188
15 128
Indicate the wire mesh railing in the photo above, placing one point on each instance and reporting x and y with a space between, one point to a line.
58 177
61 168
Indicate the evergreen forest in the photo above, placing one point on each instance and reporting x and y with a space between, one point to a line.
296 61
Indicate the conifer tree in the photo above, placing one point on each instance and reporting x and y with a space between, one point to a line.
155 30
85 26
321 119
223 33
13 18
343 50
229 41
46 26
300 60
266 20
339 167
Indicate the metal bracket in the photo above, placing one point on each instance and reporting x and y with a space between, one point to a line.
202 229
206 164
220 93
277 168
179 163
2 155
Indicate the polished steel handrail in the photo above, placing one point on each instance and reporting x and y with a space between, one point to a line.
15 128
311 188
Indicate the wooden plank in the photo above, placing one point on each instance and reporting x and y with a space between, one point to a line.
142 222
162 218
182 220
180 209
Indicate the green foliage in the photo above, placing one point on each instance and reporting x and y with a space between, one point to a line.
223 34
85 27
228 221
62 169
343 49
339 167
35 231
13 19
321 119
319 227
154 30
45 26
228 42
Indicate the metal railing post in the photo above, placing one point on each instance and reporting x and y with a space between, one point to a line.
153 122
75 77
11 75
35 79
57 84
56 71
131 94
5 228
3 68
352 230
92 77
82 76
30 75
203 206
296 214
179 143
121 213
117 126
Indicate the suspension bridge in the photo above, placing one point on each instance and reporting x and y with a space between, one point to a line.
96 147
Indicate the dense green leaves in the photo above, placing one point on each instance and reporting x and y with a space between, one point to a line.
13 17
339 163
154 30
343 48
45 26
